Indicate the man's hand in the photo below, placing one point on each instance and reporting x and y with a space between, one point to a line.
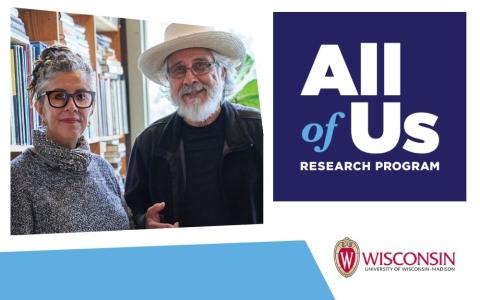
152 217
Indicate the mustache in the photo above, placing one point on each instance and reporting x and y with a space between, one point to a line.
195 87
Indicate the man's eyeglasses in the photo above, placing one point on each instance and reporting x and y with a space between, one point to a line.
59 99
198 68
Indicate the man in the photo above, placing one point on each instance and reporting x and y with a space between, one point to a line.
203 164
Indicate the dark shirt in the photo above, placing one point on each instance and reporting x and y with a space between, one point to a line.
204 205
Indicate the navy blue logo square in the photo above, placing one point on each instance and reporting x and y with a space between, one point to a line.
369 106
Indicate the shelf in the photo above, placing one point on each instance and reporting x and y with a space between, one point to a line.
102 24
105 138
40 25
19 148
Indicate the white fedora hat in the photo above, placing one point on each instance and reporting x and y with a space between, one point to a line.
182 36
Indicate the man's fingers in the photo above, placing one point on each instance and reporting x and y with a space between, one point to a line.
153 217
153 212
154 225
157 207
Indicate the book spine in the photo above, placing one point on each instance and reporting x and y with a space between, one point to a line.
13 108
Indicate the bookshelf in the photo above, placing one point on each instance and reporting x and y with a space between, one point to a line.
99 40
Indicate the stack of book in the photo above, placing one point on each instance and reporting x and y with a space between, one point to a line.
106 58
73 36
17 28
24 117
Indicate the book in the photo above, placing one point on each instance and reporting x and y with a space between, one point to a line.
66 18
114 154
113 160
112 67
13 109
119 147
18 38
73 36
14 12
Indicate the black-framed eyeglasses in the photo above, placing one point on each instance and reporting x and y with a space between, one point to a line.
198 68
59 99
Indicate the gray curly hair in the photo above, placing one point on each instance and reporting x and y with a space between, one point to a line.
57 58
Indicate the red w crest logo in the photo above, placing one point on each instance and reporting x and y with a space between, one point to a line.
346 256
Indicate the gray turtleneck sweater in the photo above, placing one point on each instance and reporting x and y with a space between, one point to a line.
55 189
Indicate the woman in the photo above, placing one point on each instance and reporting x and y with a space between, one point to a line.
59 185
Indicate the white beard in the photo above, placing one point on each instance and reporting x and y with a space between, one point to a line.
197 111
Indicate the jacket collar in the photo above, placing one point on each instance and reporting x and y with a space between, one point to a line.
236 135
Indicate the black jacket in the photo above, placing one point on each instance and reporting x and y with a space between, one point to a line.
156 170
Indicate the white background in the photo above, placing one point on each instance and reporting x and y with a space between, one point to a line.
375 226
